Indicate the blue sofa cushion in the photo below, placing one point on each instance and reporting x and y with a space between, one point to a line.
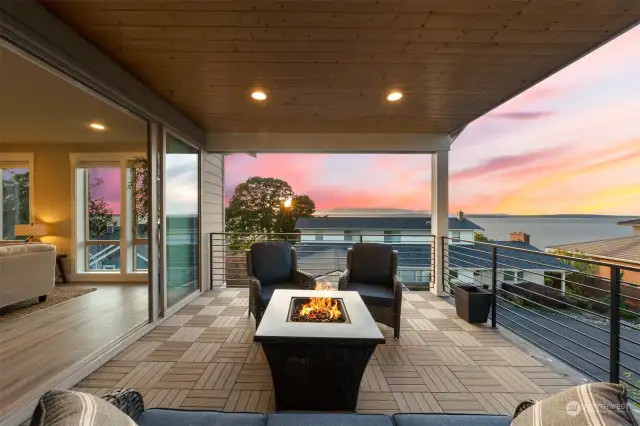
267 291
271 262
167 417
373 295
435 419
308 419
371 263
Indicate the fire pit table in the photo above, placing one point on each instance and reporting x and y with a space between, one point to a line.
317 363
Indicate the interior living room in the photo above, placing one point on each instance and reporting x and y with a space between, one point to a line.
73 225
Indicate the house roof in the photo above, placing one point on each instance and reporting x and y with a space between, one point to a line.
420 223
322 258
632 222
625 248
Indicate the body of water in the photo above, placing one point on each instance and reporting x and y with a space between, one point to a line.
548 231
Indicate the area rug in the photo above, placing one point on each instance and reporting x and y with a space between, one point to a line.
58 295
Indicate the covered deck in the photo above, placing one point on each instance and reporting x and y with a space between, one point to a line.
204 357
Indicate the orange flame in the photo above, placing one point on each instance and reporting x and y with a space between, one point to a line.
321 307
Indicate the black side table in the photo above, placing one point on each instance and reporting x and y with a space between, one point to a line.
63 274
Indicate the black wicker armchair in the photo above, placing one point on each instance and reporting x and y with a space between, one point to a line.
273 265
372 271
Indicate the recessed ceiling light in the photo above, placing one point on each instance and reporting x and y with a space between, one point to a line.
394 96
259 96
97 126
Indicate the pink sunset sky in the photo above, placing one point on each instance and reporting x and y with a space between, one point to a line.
571 144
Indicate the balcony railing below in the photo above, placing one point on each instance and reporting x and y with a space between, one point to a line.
558 302
324 255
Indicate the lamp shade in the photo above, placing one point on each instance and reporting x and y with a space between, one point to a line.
32 230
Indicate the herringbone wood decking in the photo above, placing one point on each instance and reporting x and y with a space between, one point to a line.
204 358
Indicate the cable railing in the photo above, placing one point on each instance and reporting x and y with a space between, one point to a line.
580 310
324 255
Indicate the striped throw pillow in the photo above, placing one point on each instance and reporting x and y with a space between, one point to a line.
594 404
68 408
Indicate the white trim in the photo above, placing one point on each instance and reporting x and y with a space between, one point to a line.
79 243
327 142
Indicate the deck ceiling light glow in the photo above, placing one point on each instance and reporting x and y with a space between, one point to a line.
394 96
259 96
97 126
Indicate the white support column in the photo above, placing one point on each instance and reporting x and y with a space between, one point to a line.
563 284
439 215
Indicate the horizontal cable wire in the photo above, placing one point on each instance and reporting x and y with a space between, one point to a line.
555 344
556 322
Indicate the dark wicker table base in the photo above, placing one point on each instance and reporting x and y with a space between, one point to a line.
318 376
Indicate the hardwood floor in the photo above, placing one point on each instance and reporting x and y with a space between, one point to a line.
38 347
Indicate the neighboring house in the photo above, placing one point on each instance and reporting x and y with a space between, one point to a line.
324 242
623 251
382 229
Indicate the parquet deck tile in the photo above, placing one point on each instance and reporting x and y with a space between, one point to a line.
204 358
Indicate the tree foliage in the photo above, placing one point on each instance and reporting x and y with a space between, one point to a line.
479 236
15 199
138 185
303 206
100 213
257 206
583 271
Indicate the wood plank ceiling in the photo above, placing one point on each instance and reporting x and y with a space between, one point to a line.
328 65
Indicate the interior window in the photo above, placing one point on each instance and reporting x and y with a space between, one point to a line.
14 197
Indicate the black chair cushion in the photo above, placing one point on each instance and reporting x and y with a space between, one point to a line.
371 264
267 291
271 262
373 295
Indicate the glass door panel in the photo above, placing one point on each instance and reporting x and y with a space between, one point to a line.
182 200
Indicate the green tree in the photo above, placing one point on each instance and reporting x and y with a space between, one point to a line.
138 185
479 236
100 213
15 199
257 206
583 270
303 206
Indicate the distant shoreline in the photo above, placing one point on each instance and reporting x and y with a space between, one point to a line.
400 213
576 216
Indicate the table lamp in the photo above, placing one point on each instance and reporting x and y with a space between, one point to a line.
32 231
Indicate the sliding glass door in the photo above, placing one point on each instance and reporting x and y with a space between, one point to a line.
181 203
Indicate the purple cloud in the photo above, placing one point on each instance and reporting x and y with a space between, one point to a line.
524 115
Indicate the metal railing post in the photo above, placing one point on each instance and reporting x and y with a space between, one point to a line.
444 274
494 286
211 261
614 327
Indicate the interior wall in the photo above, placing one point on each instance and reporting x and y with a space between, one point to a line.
53 203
